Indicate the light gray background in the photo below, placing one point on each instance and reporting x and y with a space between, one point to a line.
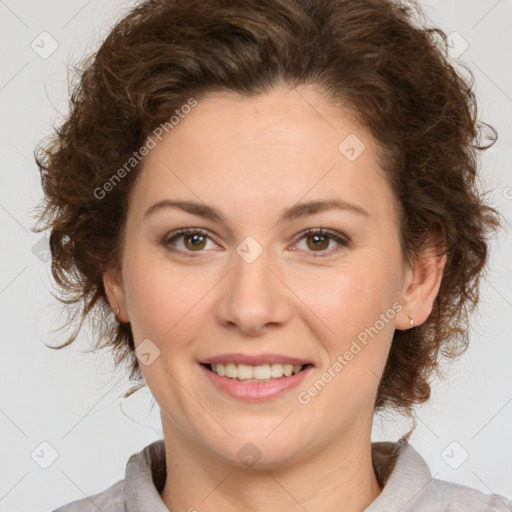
70 399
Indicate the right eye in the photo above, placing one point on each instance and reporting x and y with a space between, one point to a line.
194 240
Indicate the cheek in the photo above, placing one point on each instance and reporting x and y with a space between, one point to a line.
159 296
353 314
349 298
164 306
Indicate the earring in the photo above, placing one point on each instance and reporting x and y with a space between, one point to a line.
412 321
118 311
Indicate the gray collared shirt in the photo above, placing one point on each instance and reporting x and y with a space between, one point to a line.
408 486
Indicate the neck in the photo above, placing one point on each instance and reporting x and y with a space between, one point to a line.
339 477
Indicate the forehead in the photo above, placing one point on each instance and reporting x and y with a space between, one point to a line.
262 150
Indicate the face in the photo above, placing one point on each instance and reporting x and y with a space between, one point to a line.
258 283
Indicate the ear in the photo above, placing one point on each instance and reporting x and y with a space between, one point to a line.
113 284
421 285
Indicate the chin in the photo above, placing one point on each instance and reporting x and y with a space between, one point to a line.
260 450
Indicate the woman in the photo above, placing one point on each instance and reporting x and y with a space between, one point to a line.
277 200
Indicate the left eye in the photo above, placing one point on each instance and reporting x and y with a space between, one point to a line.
195 240
318 240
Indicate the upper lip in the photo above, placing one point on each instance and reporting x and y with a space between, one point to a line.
254 360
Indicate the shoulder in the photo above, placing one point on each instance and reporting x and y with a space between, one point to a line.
461 498
109 500
408 486
144 477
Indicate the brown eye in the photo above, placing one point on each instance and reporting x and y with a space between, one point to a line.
318 240
194 240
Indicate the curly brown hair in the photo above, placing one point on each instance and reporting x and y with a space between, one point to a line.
375 57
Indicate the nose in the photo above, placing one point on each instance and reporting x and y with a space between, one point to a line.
254 298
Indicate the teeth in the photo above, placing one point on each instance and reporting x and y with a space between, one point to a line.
231 370
257 372
277 370
260 372
244 371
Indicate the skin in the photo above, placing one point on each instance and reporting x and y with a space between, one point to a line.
250 158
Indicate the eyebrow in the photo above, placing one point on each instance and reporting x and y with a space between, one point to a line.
294 212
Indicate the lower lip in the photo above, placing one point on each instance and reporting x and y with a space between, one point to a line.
255 391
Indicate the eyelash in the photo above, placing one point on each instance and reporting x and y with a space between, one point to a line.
333 235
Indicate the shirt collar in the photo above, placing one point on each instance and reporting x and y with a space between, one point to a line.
403 472
142 471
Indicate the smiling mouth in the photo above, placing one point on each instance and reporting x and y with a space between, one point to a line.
259 373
